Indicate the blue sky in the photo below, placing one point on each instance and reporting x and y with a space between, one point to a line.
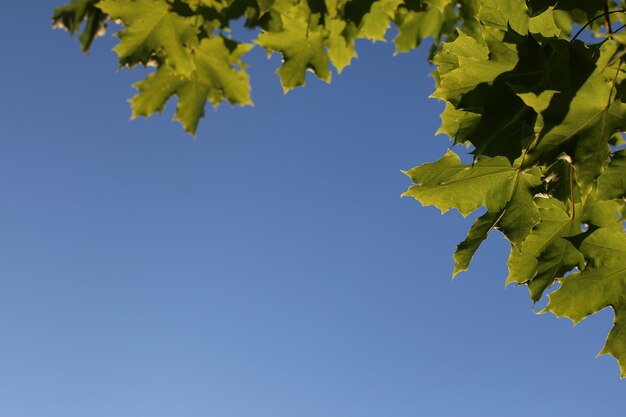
268 268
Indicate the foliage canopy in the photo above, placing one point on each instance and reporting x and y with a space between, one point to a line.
536 89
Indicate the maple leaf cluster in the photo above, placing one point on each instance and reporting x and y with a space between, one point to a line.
541 108
543 114
199 59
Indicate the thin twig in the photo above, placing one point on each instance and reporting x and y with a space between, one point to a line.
619 28
593 20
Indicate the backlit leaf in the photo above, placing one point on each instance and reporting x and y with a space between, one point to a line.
601 284
153 28
217 77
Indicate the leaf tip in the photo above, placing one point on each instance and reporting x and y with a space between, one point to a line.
456 271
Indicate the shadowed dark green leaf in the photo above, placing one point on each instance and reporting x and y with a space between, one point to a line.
70 16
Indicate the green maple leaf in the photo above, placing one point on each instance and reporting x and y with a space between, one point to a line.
459 123
521 213
474 76
219 74
612 182
301 42
218 5
487 107
411 27
340 42
588 115
491 182
544 24
376 23
603 213
515 220
341 34
469 61
153 28
414 25
448 184
601 284
545 253
477 234
70 16
504 13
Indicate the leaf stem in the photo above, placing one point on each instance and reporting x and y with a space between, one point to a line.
607 20
571 192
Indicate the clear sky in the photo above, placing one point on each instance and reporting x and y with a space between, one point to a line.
267 269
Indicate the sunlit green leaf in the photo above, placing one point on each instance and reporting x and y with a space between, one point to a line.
601 284
217 77
153 28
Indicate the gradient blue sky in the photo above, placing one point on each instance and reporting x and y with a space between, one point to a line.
267 269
